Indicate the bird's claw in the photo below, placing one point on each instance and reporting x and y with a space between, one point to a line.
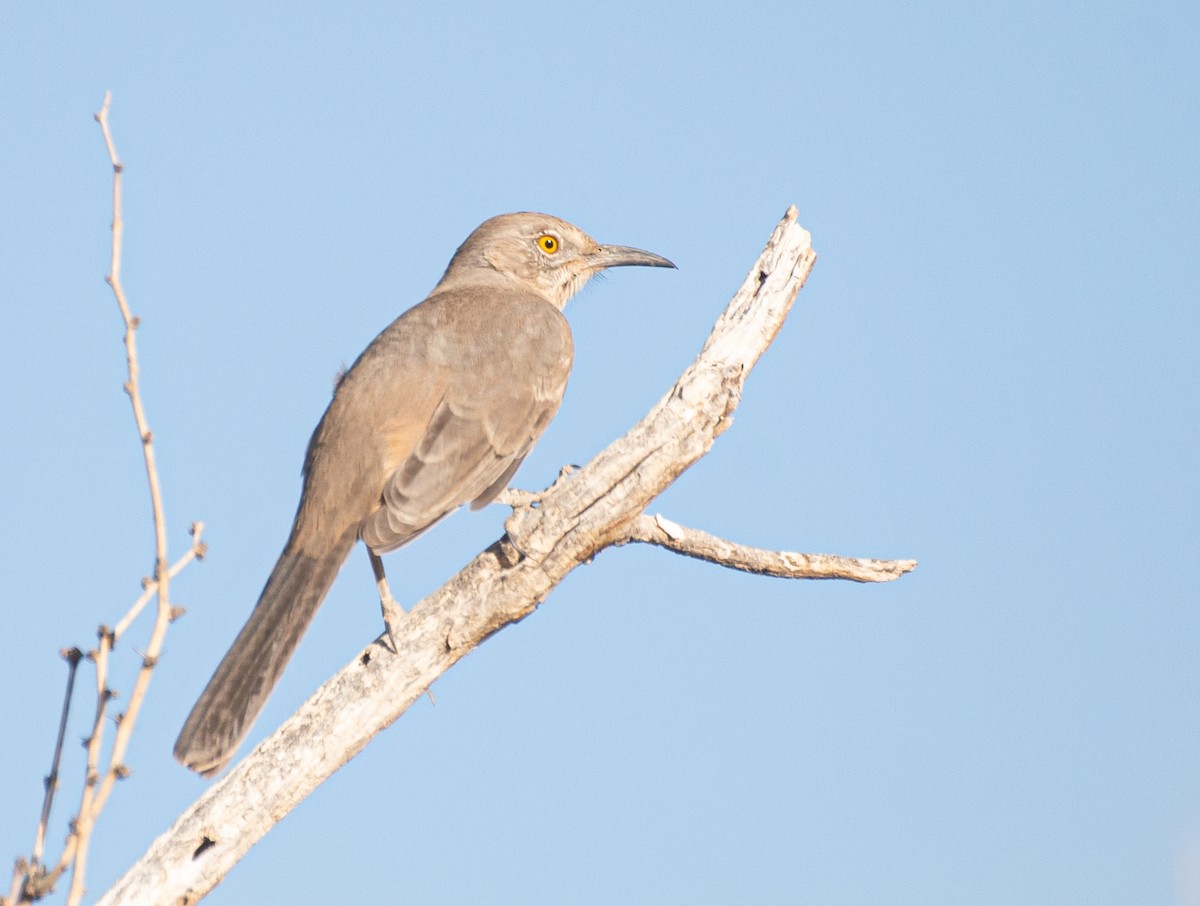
519 499
563 474
523 504
393 617
393 613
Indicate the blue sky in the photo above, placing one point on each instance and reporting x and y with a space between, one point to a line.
993 370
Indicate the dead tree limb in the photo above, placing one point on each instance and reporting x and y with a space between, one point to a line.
660 531
548 536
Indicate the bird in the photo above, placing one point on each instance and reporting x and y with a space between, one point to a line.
438 411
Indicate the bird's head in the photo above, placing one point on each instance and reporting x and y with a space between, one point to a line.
540 253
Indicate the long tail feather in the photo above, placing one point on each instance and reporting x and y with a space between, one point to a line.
254 663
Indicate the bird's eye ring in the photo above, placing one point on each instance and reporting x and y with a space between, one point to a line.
547 243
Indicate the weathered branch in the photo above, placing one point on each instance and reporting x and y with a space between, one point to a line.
692 542
585 512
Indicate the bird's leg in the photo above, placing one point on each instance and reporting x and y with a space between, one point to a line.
393 613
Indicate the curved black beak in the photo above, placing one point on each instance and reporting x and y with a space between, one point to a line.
624 256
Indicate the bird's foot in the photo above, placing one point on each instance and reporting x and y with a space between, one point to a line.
393 613
531 500
518 499
393 617
563 474
526 508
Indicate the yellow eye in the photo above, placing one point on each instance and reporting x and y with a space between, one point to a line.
547 243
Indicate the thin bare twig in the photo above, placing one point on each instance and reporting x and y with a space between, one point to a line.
31 881
72 656
94 796
127 720
692 542
132 387
41 882
195 552
20 877
118 769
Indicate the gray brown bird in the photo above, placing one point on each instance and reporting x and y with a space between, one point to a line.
438 411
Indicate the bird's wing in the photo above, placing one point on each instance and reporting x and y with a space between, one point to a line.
472 445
